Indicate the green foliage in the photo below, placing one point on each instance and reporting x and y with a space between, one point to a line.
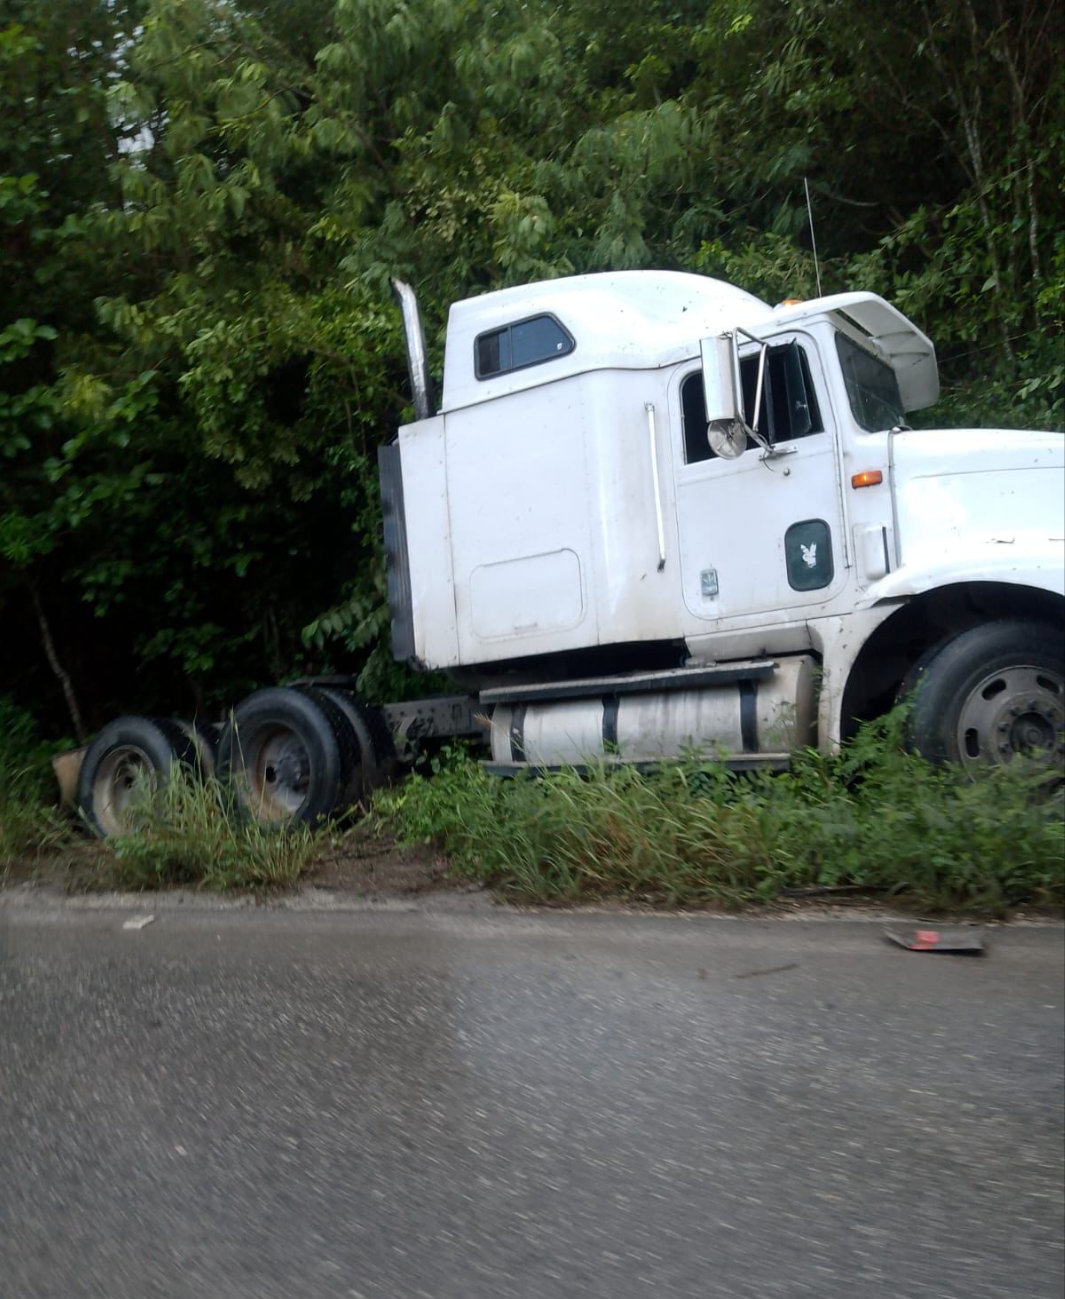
24 757
29 830
201 203
29 825
189 834
692 833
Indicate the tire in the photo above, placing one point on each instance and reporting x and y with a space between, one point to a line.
375 759
127 748
204 740
289 754
988 693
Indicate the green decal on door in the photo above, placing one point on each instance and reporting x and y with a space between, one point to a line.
808 555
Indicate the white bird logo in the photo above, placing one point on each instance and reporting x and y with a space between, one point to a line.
809 554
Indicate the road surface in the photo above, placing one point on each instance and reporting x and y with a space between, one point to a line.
254 1103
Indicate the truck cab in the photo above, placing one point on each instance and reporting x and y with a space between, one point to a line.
652 471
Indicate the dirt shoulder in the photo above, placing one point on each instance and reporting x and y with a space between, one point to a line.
376 866
358 863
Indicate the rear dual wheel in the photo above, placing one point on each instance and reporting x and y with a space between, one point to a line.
299 754
134 755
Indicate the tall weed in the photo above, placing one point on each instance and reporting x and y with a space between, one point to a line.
29 824
691 832
189 833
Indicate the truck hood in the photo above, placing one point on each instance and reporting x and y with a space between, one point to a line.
978 504
925 452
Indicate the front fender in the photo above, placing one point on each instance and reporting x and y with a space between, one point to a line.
1001 561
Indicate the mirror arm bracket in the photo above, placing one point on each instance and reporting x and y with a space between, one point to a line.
751 430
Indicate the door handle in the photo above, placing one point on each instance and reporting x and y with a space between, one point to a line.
652 442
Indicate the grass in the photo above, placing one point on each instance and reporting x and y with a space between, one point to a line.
185 834
688 833
29 831
188 833
691 833
29 827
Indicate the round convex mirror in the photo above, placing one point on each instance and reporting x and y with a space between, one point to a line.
727 440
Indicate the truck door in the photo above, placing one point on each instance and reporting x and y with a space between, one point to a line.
760 534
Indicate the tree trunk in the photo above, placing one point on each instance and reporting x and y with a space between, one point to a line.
965 95
62 675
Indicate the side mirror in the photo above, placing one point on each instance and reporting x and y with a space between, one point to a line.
728 429
721 390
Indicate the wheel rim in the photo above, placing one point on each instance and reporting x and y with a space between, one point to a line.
1013 710
277 770
115 786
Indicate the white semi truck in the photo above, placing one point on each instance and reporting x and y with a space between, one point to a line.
653 514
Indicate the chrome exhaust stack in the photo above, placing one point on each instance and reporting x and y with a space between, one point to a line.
421 382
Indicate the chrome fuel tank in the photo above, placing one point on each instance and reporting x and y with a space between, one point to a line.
773 714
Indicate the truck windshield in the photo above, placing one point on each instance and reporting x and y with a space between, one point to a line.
872 388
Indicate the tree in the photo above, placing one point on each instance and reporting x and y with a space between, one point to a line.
201 202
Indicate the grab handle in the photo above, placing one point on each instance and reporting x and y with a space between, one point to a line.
652 441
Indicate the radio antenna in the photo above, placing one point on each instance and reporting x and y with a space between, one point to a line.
813 240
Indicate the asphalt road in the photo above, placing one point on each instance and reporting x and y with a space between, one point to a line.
389 1104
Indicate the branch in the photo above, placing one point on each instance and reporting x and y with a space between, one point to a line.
61 673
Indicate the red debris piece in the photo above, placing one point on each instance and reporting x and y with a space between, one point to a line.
962 942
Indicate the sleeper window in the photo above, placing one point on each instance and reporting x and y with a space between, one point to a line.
526 342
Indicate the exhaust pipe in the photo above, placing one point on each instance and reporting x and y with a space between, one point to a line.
421 382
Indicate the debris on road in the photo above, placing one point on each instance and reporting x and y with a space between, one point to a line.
963 942
773 969
137 922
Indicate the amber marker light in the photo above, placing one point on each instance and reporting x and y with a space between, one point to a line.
867 478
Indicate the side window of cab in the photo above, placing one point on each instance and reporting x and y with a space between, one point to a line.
523 343
789 408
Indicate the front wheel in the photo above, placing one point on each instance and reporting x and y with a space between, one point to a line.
989 693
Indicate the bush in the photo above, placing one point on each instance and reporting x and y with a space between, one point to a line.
691 832
29 825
